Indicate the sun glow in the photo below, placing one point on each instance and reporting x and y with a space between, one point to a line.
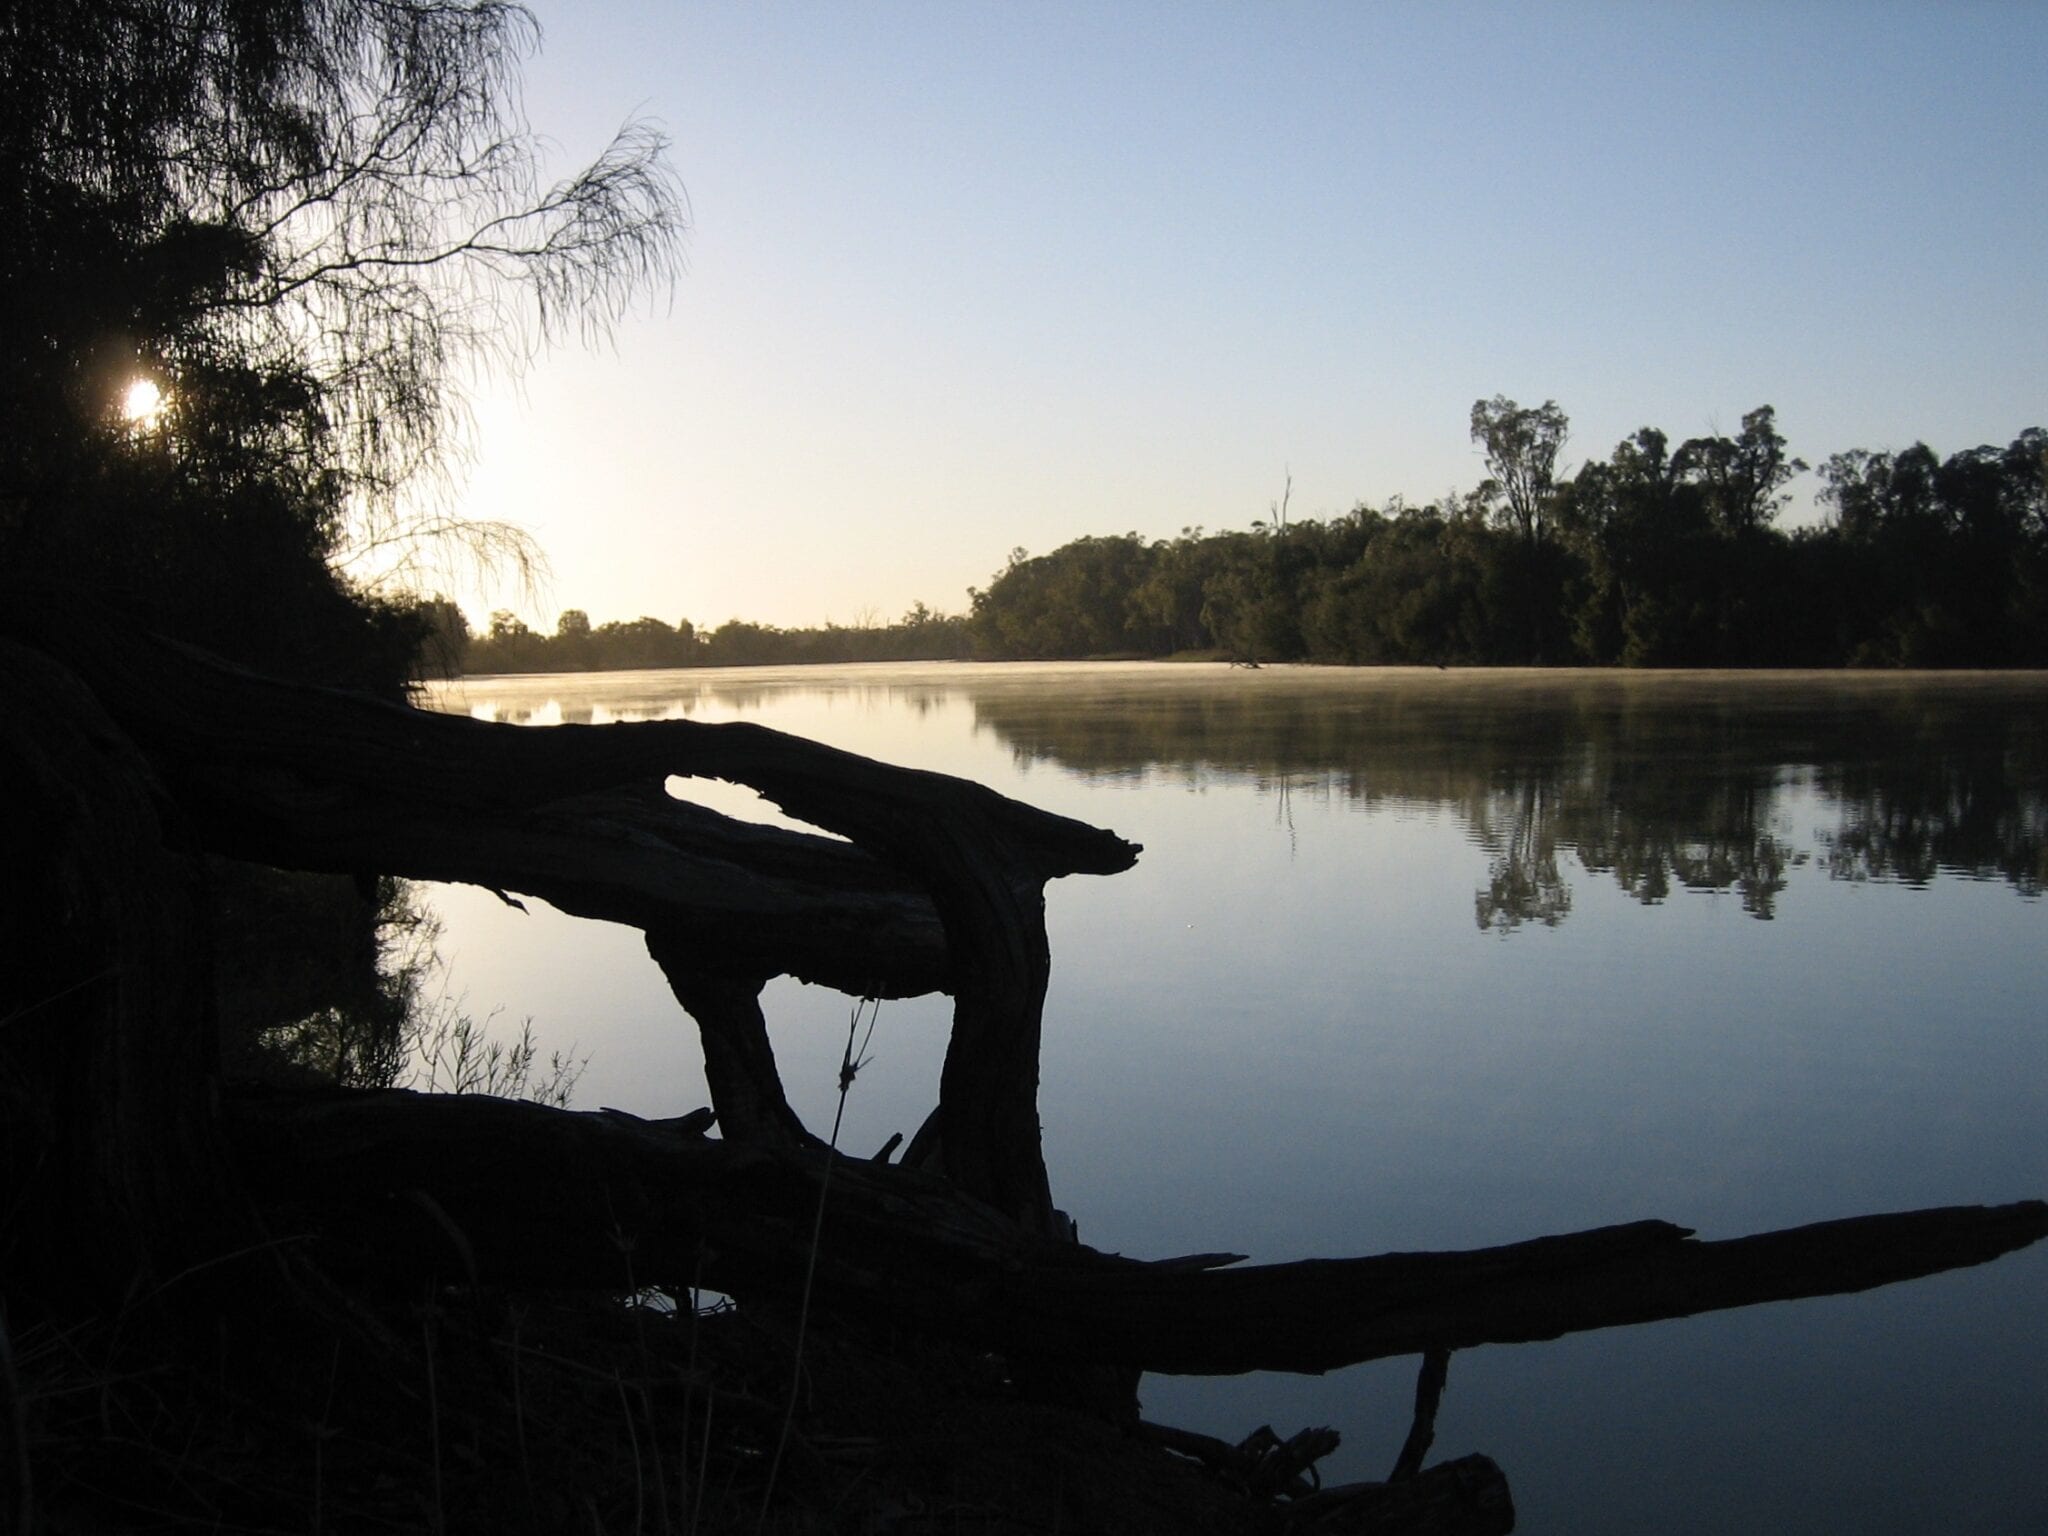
142 405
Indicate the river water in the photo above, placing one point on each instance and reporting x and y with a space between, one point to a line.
1420 959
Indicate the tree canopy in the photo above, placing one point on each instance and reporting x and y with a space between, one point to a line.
299 221
1521 444
1650 556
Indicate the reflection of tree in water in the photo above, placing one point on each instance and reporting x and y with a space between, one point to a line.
1977 808
1282 790
1523 884
1690 826
1664 784
1683 828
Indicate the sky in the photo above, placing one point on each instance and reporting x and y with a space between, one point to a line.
963 278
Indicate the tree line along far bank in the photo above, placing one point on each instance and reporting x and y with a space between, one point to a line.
1653 556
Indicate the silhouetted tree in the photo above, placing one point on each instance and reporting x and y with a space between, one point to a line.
1743 478
1521 445
448 638
1943 561
1077 601
1167 604
295 219
1412 596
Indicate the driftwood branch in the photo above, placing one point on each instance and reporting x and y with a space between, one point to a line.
549 1198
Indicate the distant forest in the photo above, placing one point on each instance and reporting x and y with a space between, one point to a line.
1653 556
579 646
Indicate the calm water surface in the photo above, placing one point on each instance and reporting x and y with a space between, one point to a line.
1419 959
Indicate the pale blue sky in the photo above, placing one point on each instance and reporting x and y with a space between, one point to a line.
967 276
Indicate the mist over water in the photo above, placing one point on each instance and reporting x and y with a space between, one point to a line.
1422 959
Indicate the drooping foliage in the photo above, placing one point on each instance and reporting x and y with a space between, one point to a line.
297 221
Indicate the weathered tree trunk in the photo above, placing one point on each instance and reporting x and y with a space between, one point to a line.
739 1064
521 1196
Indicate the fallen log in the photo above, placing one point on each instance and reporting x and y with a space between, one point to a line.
521 1196
323 764
311 778
747 897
